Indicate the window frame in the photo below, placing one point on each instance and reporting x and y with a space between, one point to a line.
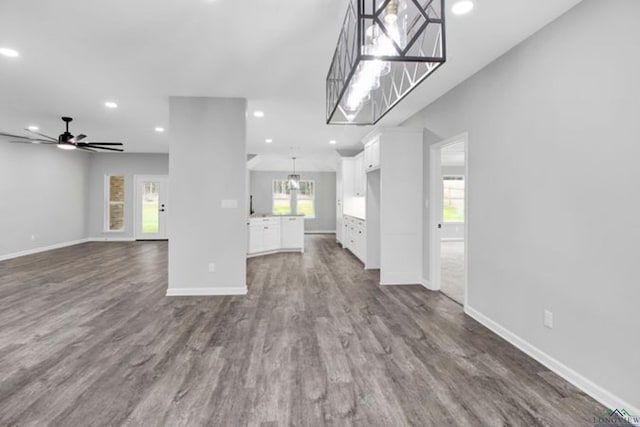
273 199
108 203
313 198
456 177
293 201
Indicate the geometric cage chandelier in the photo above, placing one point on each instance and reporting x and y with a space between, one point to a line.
386 48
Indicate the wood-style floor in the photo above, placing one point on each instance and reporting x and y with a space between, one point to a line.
88 338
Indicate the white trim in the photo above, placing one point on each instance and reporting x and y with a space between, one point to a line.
276 251
603 396
392 279
190 292
320 232
42 249
435 211
427 284
111 239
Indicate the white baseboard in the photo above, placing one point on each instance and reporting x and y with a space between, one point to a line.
399 278
589 387
191 292
111 239
276 251
320 232
42 249
399 281
427 284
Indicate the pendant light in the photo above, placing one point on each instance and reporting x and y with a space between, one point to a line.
293 180
385 49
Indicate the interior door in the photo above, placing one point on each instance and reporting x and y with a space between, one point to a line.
152 198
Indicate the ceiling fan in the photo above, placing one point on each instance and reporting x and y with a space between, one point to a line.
65 141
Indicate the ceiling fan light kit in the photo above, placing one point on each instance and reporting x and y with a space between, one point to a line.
65 141
386 48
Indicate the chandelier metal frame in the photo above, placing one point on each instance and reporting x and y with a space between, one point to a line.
407 63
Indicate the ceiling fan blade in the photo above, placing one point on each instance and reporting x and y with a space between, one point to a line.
103 143
43 135
14 136
78 138
33 141
86 149
101 148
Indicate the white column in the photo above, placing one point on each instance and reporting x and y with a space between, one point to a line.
207 206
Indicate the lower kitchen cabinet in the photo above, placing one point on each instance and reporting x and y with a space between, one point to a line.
355 237
274 234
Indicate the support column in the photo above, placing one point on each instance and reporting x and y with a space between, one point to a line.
207 205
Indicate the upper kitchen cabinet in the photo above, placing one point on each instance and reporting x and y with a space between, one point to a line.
353 177
372 154
360 177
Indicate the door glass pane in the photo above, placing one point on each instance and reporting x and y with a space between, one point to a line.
150 207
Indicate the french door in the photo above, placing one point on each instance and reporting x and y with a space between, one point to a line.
151 206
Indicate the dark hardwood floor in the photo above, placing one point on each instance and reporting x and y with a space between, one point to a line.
88 338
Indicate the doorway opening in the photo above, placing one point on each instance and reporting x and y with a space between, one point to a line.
151 194
449 217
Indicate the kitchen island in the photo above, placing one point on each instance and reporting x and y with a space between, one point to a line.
268 234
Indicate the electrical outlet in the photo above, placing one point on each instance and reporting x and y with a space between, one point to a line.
212 267
33 237
548 319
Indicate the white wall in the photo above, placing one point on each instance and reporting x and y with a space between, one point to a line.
553 199
118 164
207 164
325 197
42 193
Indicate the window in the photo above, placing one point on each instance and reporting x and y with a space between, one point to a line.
114 215
287 202
306 199
281 197
453 198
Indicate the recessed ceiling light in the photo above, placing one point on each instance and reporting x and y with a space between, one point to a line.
110 104
333 142
268 140
9 52
33 128
159 129
462 7
258 114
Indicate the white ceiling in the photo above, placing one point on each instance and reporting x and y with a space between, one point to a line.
76 54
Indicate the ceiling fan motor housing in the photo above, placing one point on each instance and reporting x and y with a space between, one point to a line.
66 136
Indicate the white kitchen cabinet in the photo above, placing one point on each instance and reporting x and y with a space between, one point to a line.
274 234
372 155
355 237
360 177
292 232
271 237
256 239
